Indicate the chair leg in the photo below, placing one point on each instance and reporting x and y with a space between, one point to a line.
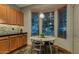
50 48
56 50
40 49
31 48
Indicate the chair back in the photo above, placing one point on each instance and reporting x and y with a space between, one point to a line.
36 42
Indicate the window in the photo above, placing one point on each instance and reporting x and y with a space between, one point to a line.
48 24
35 24
62 21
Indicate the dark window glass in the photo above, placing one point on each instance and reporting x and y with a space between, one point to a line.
48 24
35 24
62 22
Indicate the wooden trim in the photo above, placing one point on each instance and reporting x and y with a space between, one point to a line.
58 48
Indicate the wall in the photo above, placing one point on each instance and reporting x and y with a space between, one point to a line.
7 29
76 29
27 24
64 43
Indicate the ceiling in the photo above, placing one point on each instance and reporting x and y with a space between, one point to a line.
45 7
40 7
23 5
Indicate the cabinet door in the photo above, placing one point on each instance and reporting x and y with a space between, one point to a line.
8 14
3 14
20 18
12 16
22 40
4 45
13 43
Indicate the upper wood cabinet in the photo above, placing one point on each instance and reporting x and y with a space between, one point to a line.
3 14
13 17
10 15
19 17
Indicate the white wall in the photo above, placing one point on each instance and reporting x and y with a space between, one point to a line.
27 24
76 28
65 43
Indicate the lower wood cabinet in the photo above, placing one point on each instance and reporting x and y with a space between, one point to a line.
4 45
10 43
14 41
17 41
22 40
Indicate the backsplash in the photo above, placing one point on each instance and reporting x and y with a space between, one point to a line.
9 29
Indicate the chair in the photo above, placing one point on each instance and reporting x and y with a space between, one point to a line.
50 44
37 46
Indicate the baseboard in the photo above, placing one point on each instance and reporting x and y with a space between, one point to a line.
60 49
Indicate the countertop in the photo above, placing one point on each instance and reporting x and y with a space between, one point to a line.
13 34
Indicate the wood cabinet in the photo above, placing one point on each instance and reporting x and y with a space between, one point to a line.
9 15
22 40
3 14
13 42
21 19
10 43
4 45
13 17
17 41
19 16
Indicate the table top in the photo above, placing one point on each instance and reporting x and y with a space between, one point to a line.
47 38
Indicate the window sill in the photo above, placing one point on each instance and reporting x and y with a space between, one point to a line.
61 38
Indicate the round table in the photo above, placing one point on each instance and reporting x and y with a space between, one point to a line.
46 39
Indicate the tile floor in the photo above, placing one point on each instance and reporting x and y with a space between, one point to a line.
24 50
27 50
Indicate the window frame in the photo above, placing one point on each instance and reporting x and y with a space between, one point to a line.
53 34
60 10
41 25
38 24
